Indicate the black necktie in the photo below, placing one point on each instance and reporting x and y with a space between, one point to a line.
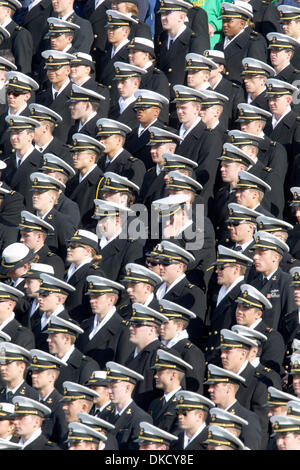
55 94
237 248
9 396
170 43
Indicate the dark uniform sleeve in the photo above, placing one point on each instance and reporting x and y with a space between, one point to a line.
22 49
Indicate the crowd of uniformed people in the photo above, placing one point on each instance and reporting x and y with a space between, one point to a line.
149 225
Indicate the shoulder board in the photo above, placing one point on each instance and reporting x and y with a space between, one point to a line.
188 345
292 260
267 168
133 159
235 84
297 71
269 330
253 34
20 327
125 322
50 253
5 159
156 69
18 27
298 118
273 143
193 34
191 286
12 192
84 356
51 444
3 390
85 321
267 369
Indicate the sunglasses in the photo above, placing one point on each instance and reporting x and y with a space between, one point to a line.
14 93
152 263
73 246
138 324
221 267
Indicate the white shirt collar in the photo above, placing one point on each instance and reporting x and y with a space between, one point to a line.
17 113
65 17
243 367
183 132
187 440
227 41
181 30
13 390
61 88
32 438
169 395
142 129
23 158
275 121
125 103
80 126
8 320
175 282
66 357
254 325
114 51
123 409
72 268
103 240
98 325
42 148
114 158
33 4
224 290
148 65
81 178
149 299
181 335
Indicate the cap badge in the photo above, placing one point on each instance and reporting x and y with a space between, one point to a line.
296 276
181 399
34 359
245 293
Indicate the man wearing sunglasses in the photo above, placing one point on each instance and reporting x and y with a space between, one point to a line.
144 326
230 267
192 410
242 226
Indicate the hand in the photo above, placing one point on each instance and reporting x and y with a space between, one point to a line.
211 29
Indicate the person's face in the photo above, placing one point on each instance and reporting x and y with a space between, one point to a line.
157 152
209 114
246 316
232 26
16 273
297 295
279 57
279 105
240 233
251 127
32 286
186 111
16 100
218 447
20 140
79 72
71 409
48 303
106 227
58 75
195 79
229 171
82 445
171 21
265 260
138 333
25 425
60 41
116 391
276 410
11 371
138 58
56 342
162 378
29 238
77 253
137 291
40 131
60 6
296 384
245 197
232 359
82 159
127 87
78 110
99 303
153 264
217 392
169 272
111 143
226 273
7 428
120 6
117 35
42 199
5 307
168 330
151 446
146 115
41 378
254 84
186 418
297 214
291 28
4 13
117 197
288 441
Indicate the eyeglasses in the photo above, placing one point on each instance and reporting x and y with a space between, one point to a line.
73 246
152 263
138 324
221 267
13 92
